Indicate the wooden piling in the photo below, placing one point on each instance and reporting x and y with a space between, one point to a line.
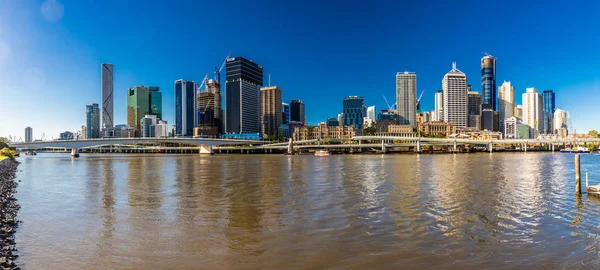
577 175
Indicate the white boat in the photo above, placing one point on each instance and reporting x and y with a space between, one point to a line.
579 149
322 153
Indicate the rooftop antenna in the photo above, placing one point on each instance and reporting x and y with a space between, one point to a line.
453 65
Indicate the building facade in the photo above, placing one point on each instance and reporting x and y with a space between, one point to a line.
488 81
353 109
162 129
155 101
28 134
439 105
138 105
214 87
533 112
560 120
186 117
271 113
474 102
406 98
242 96
510 128
297 113
506 102
285 110
371 113
322 131
438 128
455 88
92 115
148 124
106 71
519 112
549 108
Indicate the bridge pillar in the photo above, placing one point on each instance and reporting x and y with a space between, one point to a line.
359 146
290 150
419 146
206 150
454 146
74 152
382 147
491 147
525 147
552 148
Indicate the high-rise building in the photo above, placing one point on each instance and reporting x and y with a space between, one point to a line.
297 111
271 112
533 112
353 111
28 134
155 101
185 107
487 117
549 108
214 87
488 81
506 100
142 100
387 115
560 120
92 115
406 98
242 95
474 102
439 105
205 102
106 71
371 113
455 87
162 129
285 110
333 122
148 124
340 118
83 132
519 112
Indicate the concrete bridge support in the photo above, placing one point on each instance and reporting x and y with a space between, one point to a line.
74 152
382 147
552 147
525 147
491 147
454 148
418 146
206 150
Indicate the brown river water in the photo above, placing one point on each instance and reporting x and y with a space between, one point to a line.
450 211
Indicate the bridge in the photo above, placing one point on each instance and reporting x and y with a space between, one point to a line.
204 144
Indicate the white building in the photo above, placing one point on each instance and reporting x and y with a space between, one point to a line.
506 101
162 129
439 105
519 112
510 128
455 88
406 98
107 95
533 111
560 120
148 124
28 134
371 113
341 119
433 115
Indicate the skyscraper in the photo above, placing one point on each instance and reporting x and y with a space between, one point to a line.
242 95
297 111
214 87
506 102
353 111
185 107
455 87
560 121
148 124
533 111
474 108
270 113
155 101
92 115
285 110
519 112
371 113
488 81
439 105
106 71
28 134
549 108
406 98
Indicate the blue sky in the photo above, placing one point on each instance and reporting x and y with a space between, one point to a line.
51 51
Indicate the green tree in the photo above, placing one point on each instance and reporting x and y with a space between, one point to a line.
593 133
8 153
4 140
369 131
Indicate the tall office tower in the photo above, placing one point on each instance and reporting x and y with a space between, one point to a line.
487 117
28 134
285 110
270 112
205 102
455 87
473 108
533 112
353 111
106 71
214 87
242 95
297 111
155 101
439 105
185 107
560 121
506 102
519 112
371 113
92 115
488 81
406 98
549 108
148 124
138 105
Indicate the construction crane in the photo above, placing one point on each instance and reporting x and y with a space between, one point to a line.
420 96
218 71
388 104
203 82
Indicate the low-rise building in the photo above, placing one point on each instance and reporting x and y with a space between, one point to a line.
437 128
322 131
510 128
522 131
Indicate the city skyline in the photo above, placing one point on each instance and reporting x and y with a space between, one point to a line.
45 80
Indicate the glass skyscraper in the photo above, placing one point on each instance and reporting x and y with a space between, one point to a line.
155 101
185 107
406 99
285 108
92 115
353 110
488 81
549 109
297 111
242 95
141 101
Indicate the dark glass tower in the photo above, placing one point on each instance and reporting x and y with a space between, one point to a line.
297 111
549 108
242 95
185 107
353 108
488 81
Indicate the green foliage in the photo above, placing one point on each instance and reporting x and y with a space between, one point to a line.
369 131
8 153
4 140
593 133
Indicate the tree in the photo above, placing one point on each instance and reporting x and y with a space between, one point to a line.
4 140
369 131
593 133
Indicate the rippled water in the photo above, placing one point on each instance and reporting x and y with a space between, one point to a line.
273 211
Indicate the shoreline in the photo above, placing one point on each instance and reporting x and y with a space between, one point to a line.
10 207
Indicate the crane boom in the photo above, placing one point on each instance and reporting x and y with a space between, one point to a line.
218 71
420 96
203 82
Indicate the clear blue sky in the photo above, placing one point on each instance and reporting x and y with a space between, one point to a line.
51 51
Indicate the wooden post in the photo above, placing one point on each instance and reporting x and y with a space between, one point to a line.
577 175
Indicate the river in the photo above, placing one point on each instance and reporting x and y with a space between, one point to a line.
482 210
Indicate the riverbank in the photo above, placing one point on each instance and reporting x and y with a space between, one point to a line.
9 206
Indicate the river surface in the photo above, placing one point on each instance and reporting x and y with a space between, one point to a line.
500 210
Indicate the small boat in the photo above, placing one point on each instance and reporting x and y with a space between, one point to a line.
322 153
579 149
30 153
